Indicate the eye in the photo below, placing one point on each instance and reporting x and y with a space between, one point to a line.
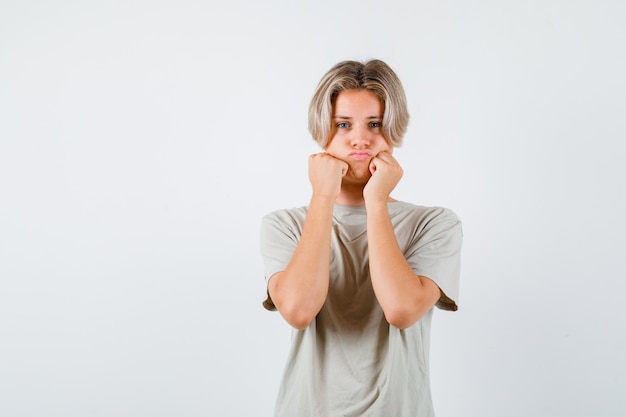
342 125
375 124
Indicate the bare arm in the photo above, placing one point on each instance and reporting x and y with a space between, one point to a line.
299 292
404 296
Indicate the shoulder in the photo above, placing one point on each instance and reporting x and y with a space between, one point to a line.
422 214
285 219
287 215
418 225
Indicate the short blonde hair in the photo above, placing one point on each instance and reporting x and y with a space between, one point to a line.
373 75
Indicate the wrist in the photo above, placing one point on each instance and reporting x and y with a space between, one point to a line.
324 200
376 204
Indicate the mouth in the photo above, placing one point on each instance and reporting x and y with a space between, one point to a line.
360 155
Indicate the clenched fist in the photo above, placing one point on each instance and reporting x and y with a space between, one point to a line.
386 173
325 174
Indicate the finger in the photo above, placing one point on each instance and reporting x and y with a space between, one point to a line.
372 166
385 156
344 169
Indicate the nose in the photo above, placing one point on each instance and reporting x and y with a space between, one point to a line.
360 138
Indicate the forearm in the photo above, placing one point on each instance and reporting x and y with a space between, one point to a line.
403 295
300 291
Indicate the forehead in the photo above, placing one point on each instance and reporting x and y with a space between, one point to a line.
353 103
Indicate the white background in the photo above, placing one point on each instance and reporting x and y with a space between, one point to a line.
142 141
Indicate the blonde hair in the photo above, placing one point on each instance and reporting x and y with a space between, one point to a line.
373 75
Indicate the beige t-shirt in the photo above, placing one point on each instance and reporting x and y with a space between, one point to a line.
350 361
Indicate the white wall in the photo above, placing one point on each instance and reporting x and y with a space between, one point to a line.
141 142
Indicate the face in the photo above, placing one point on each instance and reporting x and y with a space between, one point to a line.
356 135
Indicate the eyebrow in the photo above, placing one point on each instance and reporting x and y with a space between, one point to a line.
347 117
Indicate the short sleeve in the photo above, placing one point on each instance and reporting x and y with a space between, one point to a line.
280 234
435 252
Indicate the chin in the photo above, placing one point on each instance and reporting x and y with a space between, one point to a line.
359 177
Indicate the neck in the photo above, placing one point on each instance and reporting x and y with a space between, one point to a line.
351 195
